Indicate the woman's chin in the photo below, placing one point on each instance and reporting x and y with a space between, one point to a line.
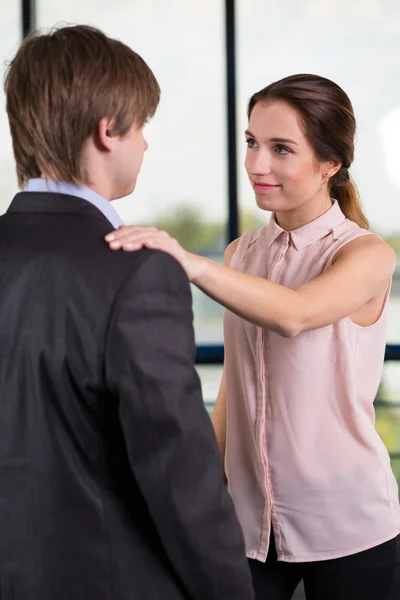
268 204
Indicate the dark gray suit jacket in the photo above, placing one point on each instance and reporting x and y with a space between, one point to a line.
111 483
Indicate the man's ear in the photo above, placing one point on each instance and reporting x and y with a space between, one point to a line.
104 134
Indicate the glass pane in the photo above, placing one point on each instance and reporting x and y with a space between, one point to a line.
333 39
393 327
396 469
210 377
388 426
389 389
182 186
10 37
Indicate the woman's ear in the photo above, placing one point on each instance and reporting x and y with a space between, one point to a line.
331 167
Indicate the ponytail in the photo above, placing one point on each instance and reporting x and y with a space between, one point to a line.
344 190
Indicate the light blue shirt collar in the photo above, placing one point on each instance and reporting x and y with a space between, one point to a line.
71 189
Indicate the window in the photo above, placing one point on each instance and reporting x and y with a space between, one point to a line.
182 186
10 36
210 378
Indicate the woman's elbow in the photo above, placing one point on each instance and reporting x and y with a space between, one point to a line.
289 329
291 333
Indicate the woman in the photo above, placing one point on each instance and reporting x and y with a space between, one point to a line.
304 346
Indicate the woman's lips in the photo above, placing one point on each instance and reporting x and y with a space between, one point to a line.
259 185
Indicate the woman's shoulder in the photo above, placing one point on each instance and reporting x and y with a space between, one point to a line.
242 243
230 251
367 248
352 235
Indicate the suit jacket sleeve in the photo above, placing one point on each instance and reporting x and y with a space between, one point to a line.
169 438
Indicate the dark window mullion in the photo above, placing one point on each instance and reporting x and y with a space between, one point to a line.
28 11
230 58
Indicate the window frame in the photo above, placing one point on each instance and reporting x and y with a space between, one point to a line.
213 354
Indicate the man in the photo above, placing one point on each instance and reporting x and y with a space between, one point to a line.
110 481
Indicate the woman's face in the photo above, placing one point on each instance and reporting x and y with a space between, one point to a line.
280 162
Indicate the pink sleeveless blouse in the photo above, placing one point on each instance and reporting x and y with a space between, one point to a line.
302 452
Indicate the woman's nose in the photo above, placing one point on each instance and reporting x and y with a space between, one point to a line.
259 163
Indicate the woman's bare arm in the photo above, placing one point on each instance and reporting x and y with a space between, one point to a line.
361 273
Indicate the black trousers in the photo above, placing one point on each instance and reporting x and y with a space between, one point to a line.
373 574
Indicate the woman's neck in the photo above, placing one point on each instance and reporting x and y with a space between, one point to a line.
310 210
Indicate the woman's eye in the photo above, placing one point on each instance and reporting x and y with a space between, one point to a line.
251 143
282 150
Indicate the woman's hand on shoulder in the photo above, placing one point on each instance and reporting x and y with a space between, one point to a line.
131 238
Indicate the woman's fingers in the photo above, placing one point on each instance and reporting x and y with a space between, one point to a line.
133 234
133 239
128 230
